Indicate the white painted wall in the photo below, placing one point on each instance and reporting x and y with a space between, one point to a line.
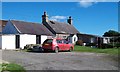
8 41
106 40
43 38
27 39
76 39
0 41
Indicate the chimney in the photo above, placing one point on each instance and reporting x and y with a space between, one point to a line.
44 17
70 20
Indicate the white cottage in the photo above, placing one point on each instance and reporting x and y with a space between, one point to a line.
60 29
16 34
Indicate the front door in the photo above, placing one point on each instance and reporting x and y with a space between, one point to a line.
17 41
38 39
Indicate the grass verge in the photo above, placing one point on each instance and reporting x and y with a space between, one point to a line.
11 67
111 51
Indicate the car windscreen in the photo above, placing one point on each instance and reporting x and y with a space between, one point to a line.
49 41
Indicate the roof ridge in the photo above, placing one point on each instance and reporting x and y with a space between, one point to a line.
60 22
26 21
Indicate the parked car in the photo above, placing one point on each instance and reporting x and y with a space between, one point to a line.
37 48
30 46
57 45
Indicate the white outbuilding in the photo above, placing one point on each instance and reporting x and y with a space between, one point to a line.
17 34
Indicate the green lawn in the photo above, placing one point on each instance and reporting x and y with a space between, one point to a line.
12 67
111 51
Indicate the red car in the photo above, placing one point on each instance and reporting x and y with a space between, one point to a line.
57 45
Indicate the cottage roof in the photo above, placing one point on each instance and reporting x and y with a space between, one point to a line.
60 27
30 28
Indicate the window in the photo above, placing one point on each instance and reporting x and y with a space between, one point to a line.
66 42
74 38
64 37
59 41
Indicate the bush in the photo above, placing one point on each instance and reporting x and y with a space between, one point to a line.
91 44
79 42
117 45
106 46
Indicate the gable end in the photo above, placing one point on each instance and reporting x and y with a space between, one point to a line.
10 29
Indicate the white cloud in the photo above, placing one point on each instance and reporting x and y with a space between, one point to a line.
53 19
57 18
87 3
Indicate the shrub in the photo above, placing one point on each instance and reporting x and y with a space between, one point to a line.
79 42
91 44
106 46
117 45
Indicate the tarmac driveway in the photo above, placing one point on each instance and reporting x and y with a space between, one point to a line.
60 61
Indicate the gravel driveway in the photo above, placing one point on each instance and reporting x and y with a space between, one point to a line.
60 61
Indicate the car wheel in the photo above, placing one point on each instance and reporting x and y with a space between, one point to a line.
71 49
56 50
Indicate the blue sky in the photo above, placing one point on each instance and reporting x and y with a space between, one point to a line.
88 17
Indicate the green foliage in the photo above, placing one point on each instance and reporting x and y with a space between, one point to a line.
111 45
111 33
111 51
117 39
103 46
12 67
117 45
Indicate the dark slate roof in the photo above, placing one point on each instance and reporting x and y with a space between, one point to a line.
31 28
60 27
2 24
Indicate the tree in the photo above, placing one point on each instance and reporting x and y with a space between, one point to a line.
115 37
111 33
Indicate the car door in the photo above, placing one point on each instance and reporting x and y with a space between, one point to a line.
66 45
60 44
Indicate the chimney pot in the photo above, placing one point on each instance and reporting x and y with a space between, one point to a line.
70 20
45 13
44 17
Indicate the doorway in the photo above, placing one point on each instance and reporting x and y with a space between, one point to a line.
17 41
38 39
